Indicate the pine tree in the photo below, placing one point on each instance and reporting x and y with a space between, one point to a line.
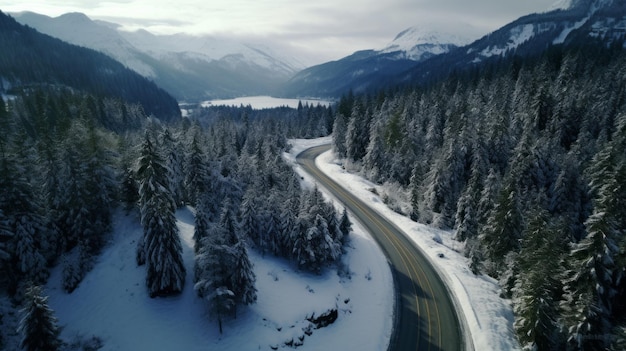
212 272
502 231
174 166
591 283
38 325
165 271
339 135
537 287
416 194
196 172
374 159
589 286
202 223
243 277
345 226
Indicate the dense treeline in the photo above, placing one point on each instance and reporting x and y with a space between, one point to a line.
526 162
69 159
30 59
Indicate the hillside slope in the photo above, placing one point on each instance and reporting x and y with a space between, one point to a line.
30 58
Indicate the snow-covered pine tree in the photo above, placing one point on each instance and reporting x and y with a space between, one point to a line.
466 220
374 159
586 305
416 194
596 263
38 325
250 224
501 234
243 278
537 286
202 223
229 225
339 135
569 198
287 224
165 271
345 226
174 162
196 173
212 269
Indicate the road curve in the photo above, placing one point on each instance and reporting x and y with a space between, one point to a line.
425 316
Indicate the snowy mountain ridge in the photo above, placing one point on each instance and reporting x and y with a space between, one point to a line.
357 71
596 18
189 67
419 42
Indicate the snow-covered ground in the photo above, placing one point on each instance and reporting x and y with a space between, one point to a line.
112 302
488 317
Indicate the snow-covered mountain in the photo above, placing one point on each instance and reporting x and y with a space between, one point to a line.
78 29
591 17
418 55
420 42
356 71
189 67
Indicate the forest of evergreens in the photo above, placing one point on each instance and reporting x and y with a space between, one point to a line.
69 161
526 162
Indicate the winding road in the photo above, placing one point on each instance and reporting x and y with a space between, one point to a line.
425 314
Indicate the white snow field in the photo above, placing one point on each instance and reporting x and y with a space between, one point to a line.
488 317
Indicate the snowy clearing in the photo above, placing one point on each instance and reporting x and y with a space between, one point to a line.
488 316
112 302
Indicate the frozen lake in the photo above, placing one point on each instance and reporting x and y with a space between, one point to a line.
261 102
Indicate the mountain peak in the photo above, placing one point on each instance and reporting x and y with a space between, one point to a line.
427 35
75 16
419 42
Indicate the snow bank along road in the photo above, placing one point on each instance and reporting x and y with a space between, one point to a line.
425 314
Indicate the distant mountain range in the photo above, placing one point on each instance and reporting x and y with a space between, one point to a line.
584 21
359 71
30 59
200 68
189 67
436 56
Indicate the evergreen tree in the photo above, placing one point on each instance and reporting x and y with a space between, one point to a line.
589 286
175 166
165 271
340 128
250 224
38 325
212 271
537 287
202 223
345 226
502 231
374 159
243 277
196 172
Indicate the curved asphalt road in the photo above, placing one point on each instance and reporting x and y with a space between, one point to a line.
425 315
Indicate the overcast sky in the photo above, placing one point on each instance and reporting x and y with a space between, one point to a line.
316 30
